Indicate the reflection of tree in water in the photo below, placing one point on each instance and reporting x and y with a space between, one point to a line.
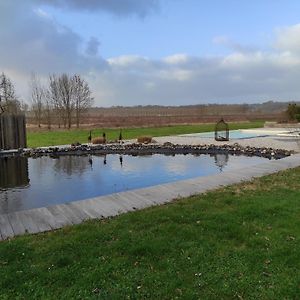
104 157
14 172
72 164
221 160
78 164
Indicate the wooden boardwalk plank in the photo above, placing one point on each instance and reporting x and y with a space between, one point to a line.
78 212
28 222
130 203
59 217
5 227
159 194
86 206
121 207
140 202
41 219
104 208
15 223
68 213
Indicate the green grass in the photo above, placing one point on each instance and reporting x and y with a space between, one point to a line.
62 137
240 242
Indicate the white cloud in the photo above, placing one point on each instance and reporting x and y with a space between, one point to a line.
35 42
176 59
131 61
288 39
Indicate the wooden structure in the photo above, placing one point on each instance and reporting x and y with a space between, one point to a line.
222 131
12 131
14 172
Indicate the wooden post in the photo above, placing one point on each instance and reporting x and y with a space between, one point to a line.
12 131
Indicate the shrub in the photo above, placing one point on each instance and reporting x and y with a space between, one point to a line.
293 112
99 140
144 139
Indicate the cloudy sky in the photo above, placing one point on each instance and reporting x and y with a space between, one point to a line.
168 52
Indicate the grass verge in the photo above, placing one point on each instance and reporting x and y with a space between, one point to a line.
239 242
62 137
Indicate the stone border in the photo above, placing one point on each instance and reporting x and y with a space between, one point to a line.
147 149
57 216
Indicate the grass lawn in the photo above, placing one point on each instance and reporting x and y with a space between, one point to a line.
239 242
62 137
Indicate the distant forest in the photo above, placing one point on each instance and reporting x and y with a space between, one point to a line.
270 107
154 115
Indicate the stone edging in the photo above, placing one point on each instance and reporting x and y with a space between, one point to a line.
143 149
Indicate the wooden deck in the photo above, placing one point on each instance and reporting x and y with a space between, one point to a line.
54 217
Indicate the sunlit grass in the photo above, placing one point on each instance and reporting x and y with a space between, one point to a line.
63 137
239 242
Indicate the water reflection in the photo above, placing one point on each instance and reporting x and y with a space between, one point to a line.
73 164
69 178
13 177
78 164
13 172
221 160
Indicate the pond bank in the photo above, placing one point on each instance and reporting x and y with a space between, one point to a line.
147 149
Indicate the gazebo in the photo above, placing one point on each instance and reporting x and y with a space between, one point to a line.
222 131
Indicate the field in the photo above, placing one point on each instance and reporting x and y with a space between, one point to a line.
63 137
239 242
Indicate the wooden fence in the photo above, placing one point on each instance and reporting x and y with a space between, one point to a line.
12 131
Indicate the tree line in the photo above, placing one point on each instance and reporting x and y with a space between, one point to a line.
293 112
8 99
61 100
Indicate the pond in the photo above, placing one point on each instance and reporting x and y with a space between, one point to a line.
30 183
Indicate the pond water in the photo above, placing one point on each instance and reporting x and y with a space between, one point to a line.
31 183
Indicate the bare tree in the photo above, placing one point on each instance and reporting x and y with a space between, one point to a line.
37 99
61 95
68 97
66 90
82 97
8 99
55 98
48 109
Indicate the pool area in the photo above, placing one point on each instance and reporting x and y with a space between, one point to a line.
27 183
233 134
